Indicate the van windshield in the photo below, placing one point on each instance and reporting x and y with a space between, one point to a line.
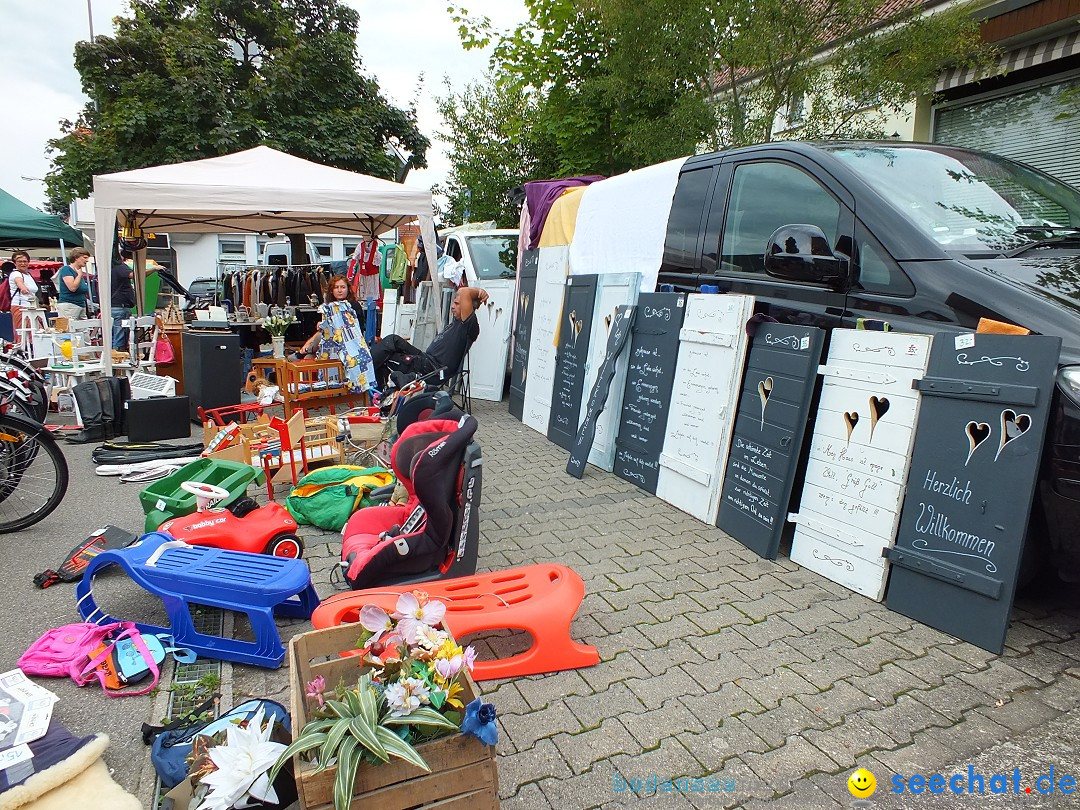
971 202
493 256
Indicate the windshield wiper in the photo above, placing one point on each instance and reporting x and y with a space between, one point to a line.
1068 235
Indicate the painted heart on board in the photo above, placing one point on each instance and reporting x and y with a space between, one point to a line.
879 406
977 433
851 419
1013 426
764 389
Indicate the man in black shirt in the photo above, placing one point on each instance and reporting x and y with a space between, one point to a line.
394 354
123 299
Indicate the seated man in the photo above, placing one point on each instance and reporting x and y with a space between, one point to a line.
395 354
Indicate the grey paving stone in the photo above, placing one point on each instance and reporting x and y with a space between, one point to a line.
713 675
836 703
540 690
918 638
764 607
753 589
653 692
764 632
1063 694
540 761
784 682
848 742
795 759
715 706
662 633
617 701
953 698
658 660
525 729
738 785
818 643
1021 637
827 670
865 627
905 718
620 668
1023 712
926 754
718 618
885 686
933 666
764 660
715 746
974 734
1042 663
715 645
680 604
583 749
669 759
671 719
999 679
529 797
776 725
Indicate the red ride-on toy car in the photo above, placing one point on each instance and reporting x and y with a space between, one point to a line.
241 526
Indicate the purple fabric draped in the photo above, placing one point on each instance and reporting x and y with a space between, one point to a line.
540 195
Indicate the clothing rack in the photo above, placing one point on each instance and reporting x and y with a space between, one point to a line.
273 285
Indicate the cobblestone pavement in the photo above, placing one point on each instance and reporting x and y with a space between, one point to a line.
715 663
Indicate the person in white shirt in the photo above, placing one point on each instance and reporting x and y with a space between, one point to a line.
23 289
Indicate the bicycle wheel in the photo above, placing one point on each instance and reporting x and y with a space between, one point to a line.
33 473
36 407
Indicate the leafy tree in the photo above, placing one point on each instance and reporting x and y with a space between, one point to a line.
494 145
610 89
188 79
618 84
776 56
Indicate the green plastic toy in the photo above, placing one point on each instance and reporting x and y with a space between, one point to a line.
164 499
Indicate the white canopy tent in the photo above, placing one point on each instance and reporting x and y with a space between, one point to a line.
259 190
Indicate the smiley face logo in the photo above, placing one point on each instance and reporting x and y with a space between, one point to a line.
862 784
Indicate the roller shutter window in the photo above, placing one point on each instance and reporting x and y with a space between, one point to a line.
1023 126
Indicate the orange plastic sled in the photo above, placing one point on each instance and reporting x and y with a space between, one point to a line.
539 599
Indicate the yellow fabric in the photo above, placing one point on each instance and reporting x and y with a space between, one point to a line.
992 327
562 218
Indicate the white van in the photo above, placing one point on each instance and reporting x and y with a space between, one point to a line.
279 252
490 259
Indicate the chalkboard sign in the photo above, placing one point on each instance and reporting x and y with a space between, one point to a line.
526 292
712 353
654 347
612 291
575 330
547 312
854 480
769 426
617 335
986 400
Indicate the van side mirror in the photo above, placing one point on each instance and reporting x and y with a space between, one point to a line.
802 253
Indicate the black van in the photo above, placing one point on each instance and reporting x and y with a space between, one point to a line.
923 236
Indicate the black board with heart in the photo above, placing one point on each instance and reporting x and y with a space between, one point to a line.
767 439
974 466
523 317
572 352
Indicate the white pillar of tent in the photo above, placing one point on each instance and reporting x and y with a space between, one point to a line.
104 234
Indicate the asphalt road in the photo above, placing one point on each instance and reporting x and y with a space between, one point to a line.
26 612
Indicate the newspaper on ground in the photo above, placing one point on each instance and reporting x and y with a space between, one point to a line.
25 711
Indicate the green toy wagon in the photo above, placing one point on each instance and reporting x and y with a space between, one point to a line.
164 499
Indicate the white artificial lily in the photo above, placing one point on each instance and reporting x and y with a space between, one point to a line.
242 765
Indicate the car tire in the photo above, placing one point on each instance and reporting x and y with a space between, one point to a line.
285 545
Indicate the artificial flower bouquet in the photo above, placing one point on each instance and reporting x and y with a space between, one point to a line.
278 325
230 769
408 685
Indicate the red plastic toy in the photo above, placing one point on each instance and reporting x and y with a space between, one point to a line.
242 526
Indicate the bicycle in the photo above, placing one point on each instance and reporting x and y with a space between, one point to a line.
30 394
33 470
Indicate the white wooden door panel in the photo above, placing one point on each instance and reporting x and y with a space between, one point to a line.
708 378
540 373
859 455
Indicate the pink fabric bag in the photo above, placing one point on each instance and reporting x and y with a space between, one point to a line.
68 651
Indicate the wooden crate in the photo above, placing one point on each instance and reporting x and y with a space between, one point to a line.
463 773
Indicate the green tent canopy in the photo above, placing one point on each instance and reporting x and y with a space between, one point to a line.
24 227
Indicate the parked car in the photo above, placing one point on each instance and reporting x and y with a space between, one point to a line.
202 292
490 259
926 237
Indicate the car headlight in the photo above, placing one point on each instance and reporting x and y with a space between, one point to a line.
1068 380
